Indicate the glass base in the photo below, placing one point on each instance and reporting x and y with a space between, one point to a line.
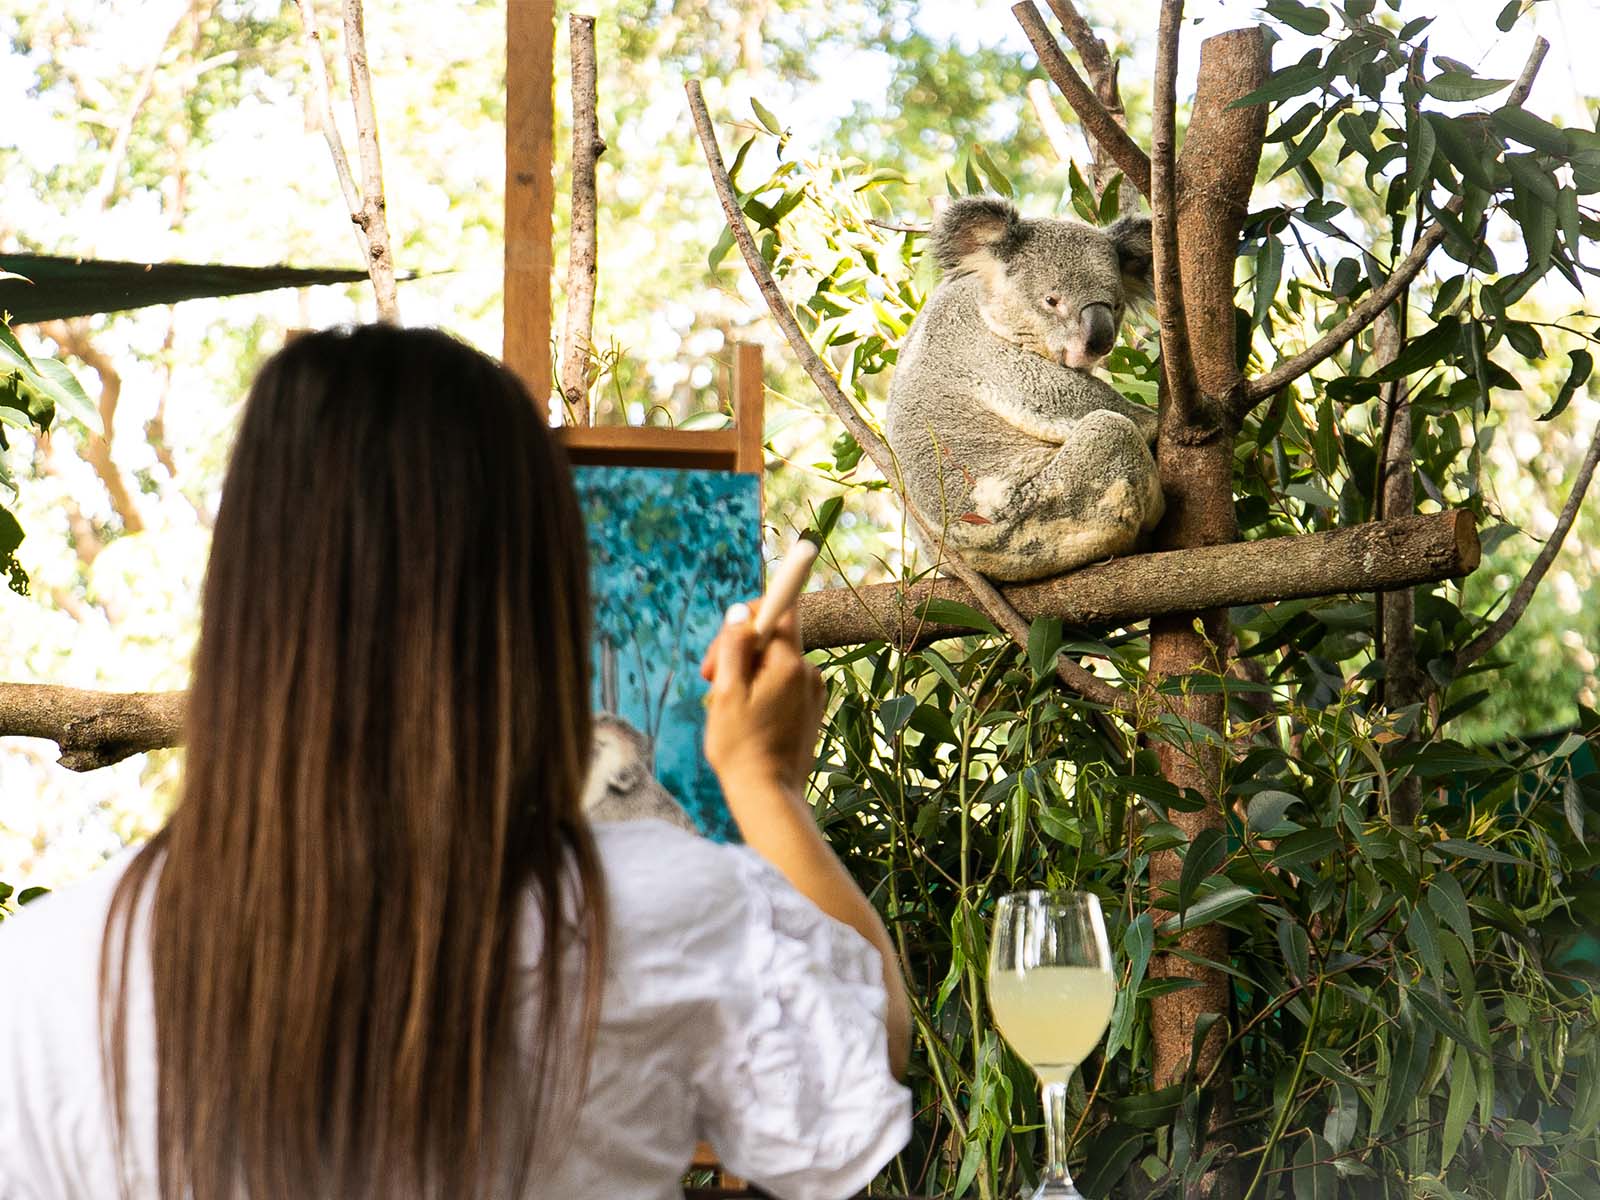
1054 1189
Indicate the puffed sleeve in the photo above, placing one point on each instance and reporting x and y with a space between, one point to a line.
796 1093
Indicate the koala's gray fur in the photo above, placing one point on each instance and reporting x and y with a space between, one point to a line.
620 785
1035 465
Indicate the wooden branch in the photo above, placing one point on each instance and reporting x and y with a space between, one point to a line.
1215 175
1491 637
1181 401
1101 127
1055 129
93 729
1102 71
374 217
73 338
1082 681
106 185
582 253
1249 394
312 37
1377 556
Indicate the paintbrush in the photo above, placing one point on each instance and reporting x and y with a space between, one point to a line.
787 579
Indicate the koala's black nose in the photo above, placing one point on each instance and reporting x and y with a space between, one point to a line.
1099 329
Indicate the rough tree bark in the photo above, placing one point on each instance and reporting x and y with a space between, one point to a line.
1214 180
1126 591
93 729
1112 595
582 262
1403 683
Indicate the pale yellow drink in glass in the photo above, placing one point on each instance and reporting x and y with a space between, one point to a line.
1052 1016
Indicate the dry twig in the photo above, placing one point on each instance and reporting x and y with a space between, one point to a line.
368 211
1518 604
1098 123
1082 681
582 254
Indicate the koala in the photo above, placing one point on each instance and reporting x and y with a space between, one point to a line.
1035 465
620 785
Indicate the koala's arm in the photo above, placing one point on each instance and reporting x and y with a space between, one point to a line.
1051 414
1142 415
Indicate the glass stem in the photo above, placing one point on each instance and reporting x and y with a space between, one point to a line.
1055 1133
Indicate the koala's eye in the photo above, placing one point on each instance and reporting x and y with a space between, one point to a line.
1052 301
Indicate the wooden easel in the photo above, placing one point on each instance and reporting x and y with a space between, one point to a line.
530 201
529 263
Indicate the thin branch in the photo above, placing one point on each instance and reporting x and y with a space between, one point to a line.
1102 71
374 211
1490 637
366 218
1082 681
1381 297
73 338
582 261
1098 123
1177 362
1055 129
325 119
915 230
106 185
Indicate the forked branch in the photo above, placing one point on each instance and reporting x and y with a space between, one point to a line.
368 210
1102 71
1253 392
1098 122
1082 681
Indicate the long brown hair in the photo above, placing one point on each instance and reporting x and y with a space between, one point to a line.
388 727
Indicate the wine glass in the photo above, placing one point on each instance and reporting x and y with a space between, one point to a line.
1051 988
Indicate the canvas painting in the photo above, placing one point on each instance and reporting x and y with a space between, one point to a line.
669 551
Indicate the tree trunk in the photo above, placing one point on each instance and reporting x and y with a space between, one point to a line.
1397 610
1215 175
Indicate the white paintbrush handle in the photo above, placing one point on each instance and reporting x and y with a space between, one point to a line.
787 581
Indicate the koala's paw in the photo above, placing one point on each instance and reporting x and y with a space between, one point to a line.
1146 421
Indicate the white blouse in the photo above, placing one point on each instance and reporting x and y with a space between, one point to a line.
735 1012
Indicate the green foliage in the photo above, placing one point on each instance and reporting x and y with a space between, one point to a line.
1413 1008
11 899
32 391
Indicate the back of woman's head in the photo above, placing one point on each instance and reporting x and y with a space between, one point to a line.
387 730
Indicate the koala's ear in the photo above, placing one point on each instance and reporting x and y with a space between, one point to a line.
1130 237
977 225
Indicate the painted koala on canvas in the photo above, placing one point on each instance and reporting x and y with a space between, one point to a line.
620 785
1035 465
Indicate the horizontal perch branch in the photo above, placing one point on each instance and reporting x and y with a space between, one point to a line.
1379 556
93 729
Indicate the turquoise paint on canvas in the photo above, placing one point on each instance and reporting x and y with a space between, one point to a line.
669 551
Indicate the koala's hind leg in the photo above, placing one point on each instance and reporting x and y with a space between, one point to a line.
1093 500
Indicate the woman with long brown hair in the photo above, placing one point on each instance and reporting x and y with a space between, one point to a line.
377 950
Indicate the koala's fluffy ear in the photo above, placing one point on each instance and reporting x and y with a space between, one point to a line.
977 225
1130 237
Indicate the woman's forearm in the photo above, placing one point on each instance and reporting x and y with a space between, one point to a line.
779 826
